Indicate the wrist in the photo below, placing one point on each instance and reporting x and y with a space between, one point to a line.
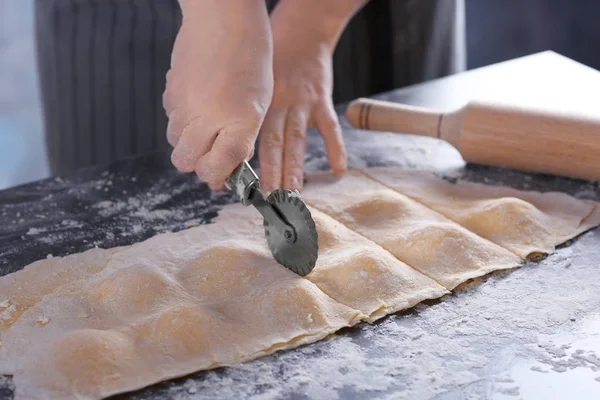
319 21
191 6
223 11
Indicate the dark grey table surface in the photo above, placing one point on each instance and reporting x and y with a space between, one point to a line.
532 333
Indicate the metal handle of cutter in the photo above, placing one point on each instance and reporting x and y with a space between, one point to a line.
246 185
243 181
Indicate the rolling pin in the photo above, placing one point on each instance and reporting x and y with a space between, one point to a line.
487 133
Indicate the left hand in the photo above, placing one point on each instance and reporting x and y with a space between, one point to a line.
303 84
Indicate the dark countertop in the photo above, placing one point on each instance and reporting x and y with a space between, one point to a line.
529 333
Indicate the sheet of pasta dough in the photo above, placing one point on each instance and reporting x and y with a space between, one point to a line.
107 321
103 322
524 222
415 234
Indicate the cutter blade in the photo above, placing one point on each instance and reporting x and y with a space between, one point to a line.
301 255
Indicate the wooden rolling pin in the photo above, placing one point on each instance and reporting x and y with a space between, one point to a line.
498 135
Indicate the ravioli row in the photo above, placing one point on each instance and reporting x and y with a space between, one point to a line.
109 321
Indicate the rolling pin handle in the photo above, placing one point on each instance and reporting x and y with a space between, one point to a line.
387 116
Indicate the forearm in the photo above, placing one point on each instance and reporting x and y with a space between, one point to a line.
235 15
323 20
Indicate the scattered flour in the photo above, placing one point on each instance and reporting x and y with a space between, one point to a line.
150 209
36 231
190 386
71 224
149 212
511 391
538 369
191 223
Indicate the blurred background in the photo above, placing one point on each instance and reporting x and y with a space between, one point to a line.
497 30
22 149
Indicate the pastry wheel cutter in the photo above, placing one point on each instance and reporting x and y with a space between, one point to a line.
289 227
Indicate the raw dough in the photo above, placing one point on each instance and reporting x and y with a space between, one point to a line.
415 234
109 321
360 274
524 222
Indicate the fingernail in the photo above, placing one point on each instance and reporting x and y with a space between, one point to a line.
295 183
341 164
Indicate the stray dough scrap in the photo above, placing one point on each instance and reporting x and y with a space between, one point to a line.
524 222
418 236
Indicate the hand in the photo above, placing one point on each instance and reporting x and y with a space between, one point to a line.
219 86
304 37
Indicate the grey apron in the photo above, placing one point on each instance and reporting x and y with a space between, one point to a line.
102 66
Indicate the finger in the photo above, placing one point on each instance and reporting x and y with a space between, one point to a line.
294 149
175 86
328 124
195 141
177 121
270 150
230 149
168 100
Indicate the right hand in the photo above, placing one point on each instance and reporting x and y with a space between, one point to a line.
219 86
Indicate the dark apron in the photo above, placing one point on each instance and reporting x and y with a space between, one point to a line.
102 66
